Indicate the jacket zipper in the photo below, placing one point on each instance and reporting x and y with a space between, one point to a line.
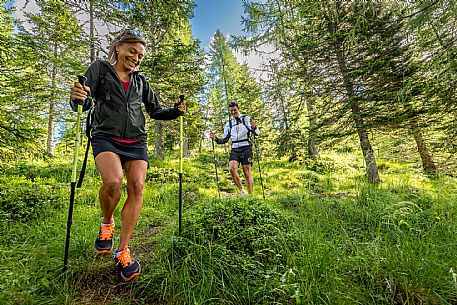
127 108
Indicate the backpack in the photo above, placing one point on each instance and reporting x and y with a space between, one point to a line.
250 132
91 113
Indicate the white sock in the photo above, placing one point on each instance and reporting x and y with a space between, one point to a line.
242 191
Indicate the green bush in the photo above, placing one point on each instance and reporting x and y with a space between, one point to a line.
21 198
319 165
32 171
240 225
170 175
162 175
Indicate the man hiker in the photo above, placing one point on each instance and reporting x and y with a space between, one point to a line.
238 129
119 140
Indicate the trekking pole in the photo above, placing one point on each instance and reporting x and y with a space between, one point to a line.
215 166
82 81
181 99
258 162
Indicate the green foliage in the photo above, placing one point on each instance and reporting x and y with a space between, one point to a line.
323 233
242 226
35 69
20 121
348 68
60 173
323 236
55 32
290 143
319 165
162 175
231 81
21 198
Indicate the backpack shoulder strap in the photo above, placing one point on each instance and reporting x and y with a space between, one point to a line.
144 83
102 69
244 123
83 167
231 124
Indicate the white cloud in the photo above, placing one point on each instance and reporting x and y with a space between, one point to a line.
258 60
24 6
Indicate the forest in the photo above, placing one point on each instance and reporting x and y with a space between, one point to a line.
354 169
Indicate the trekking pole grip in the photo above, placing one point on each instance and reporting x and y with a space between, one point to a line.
180 100
82 80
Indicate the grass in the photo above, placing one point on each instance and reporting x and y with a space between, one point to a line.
323 236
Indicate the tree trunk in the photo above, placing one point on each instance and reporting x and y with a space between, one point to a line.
91 31
52 108
185 147
200 146
50 140
284 112
367 149
225 81
204 130
159 147
312 148
427 162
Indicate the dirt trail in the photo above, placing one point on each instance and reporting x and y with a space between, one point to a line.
102 284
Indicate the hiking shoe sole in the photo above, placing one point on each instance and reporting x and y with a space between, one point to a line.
131 277
103 251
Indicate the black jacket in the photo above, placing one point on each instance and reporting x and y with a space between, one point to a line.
119 113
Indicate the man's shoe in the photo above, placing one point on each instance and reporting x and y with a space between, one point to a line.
127 265
105 241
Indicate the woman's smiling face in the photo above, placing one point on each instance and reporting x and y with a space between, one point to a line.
129 56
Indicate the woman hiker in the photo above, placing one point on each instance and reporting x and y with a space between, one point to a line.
118 138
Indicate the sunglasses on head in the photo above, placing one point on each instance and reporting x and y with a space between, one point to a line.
129 33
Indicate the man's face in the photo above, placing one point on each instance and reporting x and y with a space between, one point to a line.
234 111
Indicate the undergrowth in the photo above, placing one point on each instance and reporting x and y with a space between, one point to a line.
322 236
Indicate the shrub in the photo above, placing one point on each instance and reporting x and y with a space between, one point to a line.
170 175
162 175
21 198
32 171
240 225
319 165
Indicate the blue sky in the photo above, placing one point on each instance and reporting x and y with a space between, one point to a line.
211 15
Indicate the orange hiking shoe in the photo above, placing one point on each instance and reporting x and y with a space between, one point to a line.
105 241
127 265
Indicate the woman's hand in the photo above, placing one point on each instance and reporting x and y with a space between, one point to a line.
212 134
78 93
182 106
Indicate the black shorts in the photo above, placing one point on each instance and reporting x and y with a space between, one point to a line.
138 151
243 155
